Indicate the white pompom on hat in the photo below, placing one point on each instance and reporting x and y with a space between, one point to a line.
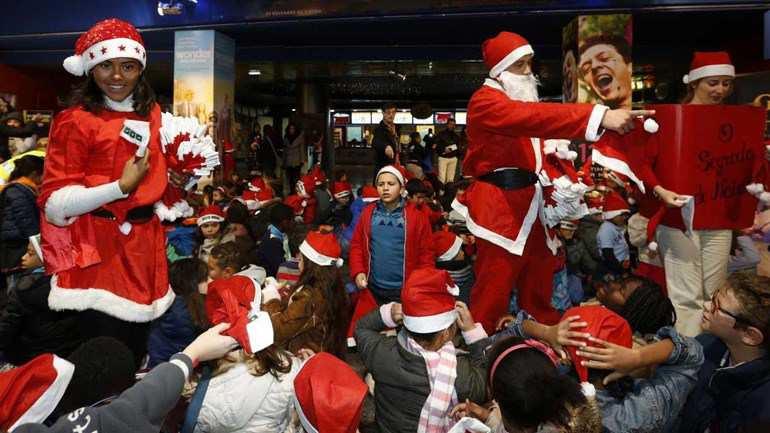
106 40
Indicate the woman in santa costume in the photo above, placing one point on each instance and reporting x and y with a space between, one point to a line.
106 177
504 205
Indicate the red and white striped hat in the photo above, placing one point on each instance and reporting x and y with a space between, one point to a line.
504 50
341 189
709 64
428 300
322 249
29 393
106 40
211 214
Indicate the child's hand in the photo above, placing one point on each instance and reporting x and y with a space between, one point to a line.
361 281
504 322
562 334
464 319
609 356
211 344
470 409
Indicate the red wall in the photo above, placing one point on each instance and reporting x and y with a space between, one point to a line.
35 88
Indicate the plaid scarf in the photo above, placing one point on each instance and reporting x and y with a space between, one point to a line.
442 372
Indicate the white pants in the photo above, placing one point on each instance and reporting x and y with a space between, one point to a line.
695 268
446 169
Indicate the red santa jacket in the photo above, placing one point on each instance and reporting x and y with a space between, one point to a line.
503 133
417 241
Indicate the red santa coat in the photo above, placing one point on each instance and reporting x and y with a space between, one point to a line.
94 265
503 133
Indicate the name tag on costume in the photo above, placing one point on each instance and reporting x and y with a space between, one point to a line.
137 132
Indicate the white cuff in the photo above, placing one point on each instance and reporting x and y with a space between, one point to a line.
182 366
386 316
594 129
75 200
475 334
270 290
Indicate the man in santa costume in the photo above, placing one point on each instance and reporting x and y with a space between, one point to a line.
504 205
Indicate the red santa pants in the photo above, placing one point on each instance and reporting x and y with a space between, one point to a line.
498 272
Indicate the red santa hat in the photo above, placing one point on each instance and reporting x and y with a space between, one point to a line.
319 176
306 185
296 203
322 249
257 184
611 152
602 323
341 189
614 205
29 393
106 40
428 300
709 64
446 245
211 214
237 300
328 395
504 50
369 194
395 170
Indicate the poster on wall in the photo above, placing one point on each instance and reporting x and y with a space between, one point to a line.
596 60
193 74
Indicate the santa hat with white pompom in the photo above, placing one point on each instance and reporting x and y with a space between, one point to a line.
106 40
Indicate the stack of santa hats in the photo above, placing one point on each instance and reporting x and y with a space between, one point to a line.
31 392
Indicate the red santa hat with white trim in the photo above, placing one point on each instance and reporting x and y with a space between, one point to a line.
328 395
237 300
396 170
211 214
428 300
504 50
30 393
319 177
369 194
306 185
322 249
446 245
709 64
341 189
106 40
296 203
614 205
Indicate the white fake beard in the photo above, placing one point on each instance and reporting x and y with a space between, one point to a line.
520 87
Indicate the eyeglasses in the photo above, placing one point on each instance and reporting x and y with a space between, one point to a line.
737 317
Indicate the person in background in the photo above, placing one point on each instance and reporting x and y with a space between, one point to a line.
12 125
448 150
733 386
391 240
294 155
19 214
186 319
211 231
611 238
273 248
288 272
385 138
450 256
744 254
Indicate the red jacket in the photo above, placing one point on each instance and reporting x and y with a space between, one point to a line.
417 241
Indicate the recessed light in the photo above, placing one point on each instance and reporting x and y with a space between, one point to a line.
255 72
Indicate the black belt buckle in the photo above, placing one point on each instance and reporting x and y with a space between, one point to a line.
510 178
137 215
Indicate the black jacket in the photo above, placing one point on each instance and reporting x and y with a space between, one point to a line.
445 139
380 140
20 216
29 328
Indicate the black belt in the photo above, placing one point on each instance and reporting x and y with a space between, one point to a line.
510 178
137 215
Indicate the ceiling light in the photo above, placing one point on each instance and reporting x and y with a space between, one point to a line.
255 72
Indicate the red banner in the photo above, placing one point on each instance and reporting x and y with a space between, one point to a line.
711 153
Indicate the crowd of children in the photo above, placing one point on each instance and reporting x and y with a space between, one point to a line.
297 313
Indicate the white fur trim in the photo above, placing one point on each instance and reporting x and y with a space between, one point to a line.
309 428
709 71
428 324
386 316
111 49
369 199
180 209
764 197
653 246
618 165
755 188
588 389
452 251
613 213
209 219
317 257
342 194
510 59
394 171
351 342
46 403
493 84
594 129
78 299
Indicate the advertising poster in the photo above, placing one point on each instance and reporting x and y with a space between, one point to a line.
194 74
596 61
